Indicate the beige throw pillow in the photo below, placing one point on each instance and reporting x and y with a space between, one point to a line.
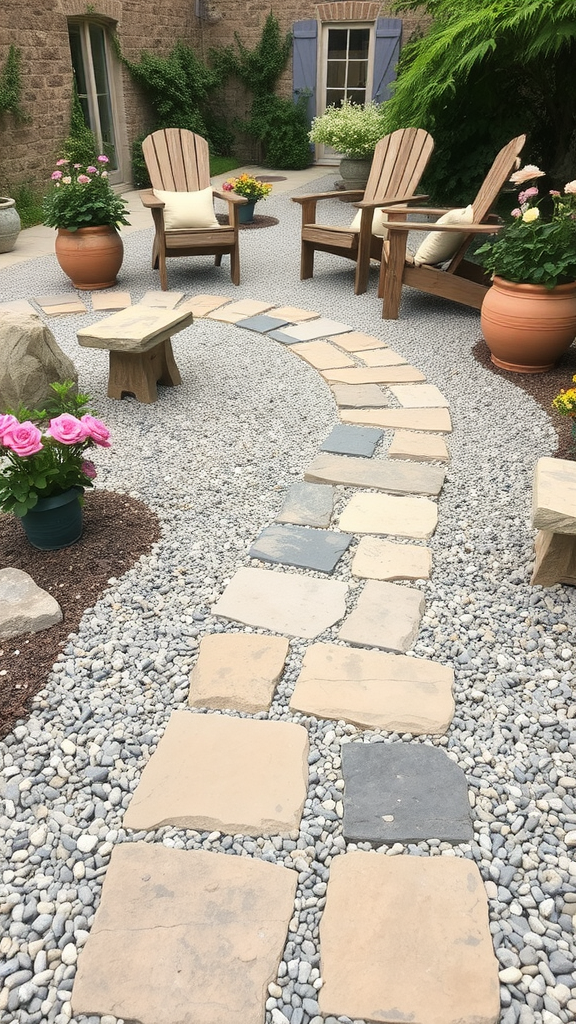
379 226
440 246
188 209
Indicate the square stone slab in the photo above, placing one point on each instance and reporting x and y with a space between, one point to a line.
307 505
283 338
261 324
357 341
70 307
225 316
554 496
283 602
374 690
373 375
407 939
55 299
386 616
249 307
347 440
394 477
18 306
184 935
321 355
294 314
359 396
378 559
415 518
237 671
423 396
312 329
214 772
407 444
201 305
403 793
382 357
301 546
165 300
111 300
436 420
24 606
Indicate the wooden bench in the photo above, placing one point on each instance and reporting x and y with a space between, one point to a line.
554 515
140 352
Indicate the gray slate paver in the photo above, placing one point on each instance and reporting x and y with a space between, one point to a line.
344 439
261 324
307 505
285 339
283 602
387 616
380 474
301 546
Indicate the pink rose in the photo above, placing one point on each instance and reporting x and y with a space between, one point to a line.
91 170
523 197
553 192
55 175
67 429
6 420
570 188
61 162
526 173
96 430
89 469
103 159
83 179
516 213
23 438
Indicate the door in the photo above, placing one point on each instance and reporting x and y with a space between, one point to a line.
93 73
347 61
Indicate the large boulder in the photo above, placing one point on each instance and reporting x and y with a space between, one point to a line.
30 360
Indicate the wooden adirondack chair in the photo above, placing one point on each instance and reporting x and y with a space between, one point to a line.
178 161
461 281
398 164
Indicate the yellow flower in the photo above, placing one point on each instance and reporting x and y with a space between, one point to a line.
531 215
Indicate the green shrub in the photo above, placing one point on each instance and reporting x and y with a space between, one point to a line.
80 146
282 128
28 204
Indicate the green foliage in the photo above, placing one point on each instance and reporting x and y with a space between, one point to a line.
28 204
247 186
80 146
282 128
81 197
11 85
259 69
350 129
222 164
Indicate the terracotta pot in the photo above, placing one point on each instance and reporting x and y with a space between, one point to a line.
91 257
527 327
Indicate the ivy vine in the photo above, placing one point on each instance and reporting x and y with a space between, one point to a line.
11 85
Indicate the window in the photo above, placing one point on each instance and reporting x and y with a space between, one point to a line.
347 65
91 63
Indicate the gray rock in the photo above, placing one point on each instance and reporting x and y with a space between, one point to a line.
24 606
30 360
301 546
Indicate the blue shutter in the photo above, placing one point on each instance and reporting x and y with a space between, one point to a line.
386 53
304 60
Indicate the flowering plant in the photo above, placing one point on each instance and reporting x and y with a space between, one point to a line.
533 249
42 452
350 129
247 186
82 197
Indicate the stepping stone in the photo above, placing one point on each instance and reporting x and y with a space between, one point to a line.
382 357
373 375
359 396
217 773
248 307
301 546
386 616
307 505
225 315
261 323
321 355
421 447
111 300
415 518
348 440
403 793
436 420
55 299
237 671
320 328
200 305
394 477
18 306
554 496
407 939
294 314
25 607
378 559
374 690
423 396
282 602
357 341
75 306
184 935
283 338
165 300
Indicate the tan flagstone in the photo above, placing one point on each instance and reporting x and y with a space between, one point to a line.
381 357
238 671
224 316
320 354
375 690
382 474
407 444
201 305
55 299
359 396
407 939
378 559
215 772
415 518
420 396
69 307
373 375
249 307
111 300
436 420
554 496
283 602
18 306
164 300
386 616
355 341
293 314
184 935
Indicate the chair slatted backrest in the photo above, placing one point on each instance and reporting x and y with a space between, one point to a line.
399 162
177 160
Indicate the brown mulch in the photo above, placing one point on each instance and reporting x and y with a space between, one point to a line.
543 387
117 531
258 222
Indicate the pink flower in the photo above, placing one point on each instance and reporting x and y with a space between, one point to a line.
227 186
526 173
23 438
570 188
6 420
103 159
523 197
83 179
96 430
89 469
67 429
61 162
516 213
553 192
77 167
91 170
55 175
103 174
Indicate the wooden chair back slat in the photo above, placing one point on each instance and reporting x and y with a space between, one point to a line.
497 176
398 164
177 160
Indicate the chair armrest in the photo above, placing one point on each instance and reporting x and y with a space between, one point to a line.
374 205
358 192
151 201
230 197
466 229
437 211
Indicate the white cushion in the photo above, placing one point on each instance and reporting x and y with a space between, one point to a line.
379 227
440 246
188 209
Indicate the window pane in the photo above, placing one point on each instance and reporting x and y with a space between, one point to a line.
336 76
358 46
357 95
98 48
357 72
337 43
77 60
334 97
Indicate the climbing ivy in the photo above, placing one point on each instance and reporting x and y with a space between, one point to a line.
258 69
80 146
11 85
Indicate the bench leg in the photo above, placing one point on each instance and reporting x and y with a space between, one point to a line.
136 373
169 374
555 559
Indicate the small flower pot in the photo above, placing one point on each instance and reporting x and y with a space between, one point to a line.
355 172
55 522
246 212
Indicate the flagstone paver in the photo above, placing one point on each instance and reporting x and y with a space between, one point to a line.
111 300
283 602
75 306
225 316
357 341
301 546
261 323
386 616
422 396
414 518
359 396
214 772
436 420
381 357
201 305
373 375
55 299
307 505
18 306
382 474
554 496
322 327
165 300
321 355
378 559
421 447
184 935
346 440
403 793
238 671
294 314
375 690
249 307
406 939
283 338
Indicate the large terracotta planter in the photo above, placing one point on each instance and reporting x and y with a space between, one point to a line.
527 327
91 257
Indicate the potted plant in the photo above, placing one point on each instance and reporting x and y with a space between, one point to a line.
9 224
529 314
252 189
86 211
352 130
44 469
565 404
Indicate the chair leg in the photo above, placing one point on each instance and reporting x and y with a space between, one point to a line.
235 264
218 260
393 270
362 267
163 272
306 261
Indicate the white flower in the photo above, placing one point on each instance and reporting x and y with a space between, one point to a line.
532 214
570 187
526 173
